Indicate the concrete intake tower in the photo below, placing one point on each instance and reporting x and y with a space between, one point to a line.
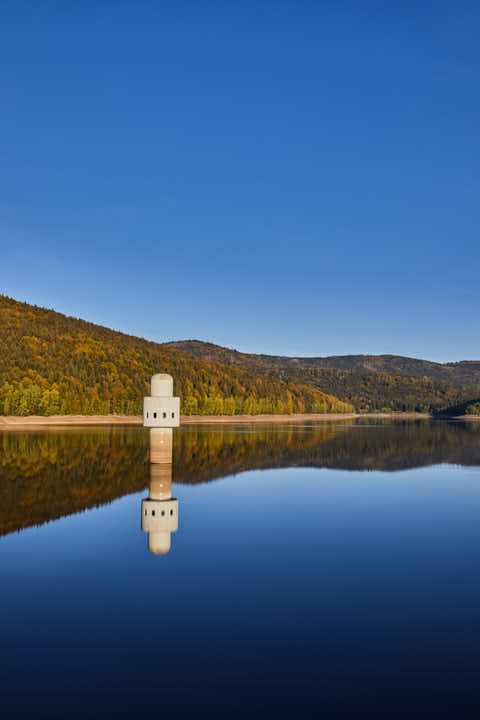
161 413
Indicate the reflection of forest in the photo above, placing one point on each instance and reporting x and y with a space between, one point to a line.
46 475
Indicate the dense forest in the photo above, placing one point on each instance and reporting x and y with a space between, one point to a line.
366 390
53 364
464 374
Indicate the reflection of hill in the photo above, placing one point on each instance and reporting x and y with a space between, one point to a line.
200 457
401 447
46 475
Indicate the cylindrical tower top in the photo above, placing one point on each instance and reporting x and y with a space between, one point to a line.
161 409
161 385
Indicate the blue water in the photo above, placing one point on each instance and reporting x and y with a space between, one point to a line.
303 591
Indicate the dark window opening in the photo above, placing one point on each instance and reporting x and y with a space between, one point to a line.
173 414
171 512
153 512
163 513
154 415
164 415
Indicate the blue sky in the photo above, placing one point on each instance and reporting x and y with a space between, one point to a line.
286 177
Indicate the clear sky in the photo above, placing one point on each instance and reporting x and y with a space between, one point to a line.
285 177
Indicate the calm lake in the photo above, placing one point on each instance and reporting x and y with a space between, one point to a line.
317 569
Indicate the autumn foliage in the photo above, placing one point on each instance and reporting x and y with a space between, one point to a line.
53 364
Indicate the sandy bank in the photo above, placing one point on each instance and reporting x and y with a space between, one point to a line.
13 421
7 422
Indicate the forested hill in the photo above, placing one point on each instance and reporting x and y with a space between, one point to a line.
383 383
464 374
51 364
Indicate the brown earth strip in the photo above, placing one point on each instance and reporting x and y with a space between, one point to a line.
7 422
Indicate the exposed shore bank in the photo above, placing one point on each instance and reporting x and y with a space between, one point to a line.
32 421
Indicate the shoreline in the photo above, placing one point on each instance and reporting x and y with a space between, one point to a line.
32 421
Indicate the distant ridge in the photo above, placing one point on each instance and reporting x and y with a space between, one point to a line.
369 382
465 373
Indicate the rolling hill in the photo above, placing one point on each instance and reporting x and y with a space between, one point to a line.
51 364
369 382
464 374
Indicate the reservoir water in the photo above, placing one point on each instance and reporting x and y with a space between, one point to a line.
329 569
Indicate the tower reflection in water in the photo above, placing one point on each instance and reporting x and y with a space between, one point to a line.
161 413
160 510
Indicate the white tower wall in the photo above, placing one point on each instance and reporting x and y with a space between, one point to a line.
161 409
161 385
161 413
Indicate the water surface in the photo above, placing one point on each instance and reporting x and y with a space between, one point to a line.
316 569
